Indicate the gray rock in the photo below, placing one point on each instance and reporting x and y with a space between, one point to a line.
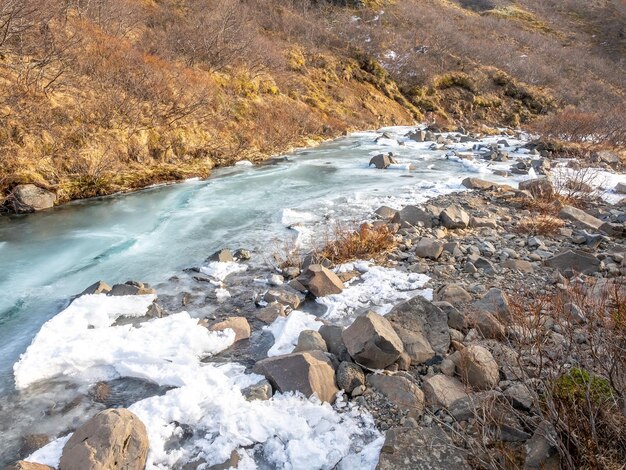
271 313
520 397
24 465
243 254
428 248
478 368
442 391
321 281
541 449
620 188
454 217
258 391
223 256
420 449
283 296
332 335
382 161
372 341
412 216
422 327
477 183
29 198
113 438
349 376
519 265
538 187
486 324
308 372
495 301
131 288
385 213
452 293
239 325
310 340
400 391
456 319
574 262
99 287
417 136
580 218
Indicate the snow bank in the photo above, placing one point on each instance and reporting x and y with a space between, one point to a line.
378 289
287 329
220 270
80 343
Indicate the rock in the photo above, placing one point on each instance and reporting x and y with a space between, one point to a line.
282 296
477 183
349 376
454 217
473 404
478 368
271 313
232 462
456 319
276 280
574 262
519 265
382 161
620 188
308 372
239 325
580 218
412 216
223 256
242 254
131 288
541 449
486 324
332 335
404 361
114 438
417 136
428 248
574 313
32 442
321 281
422 327
442 391
538 187
258 391
400 391
99 287
385 213
310 340
24 465
29 198
495 301
420 449
372 341
485 265
291 272
447 367
452 293
520 397
479 222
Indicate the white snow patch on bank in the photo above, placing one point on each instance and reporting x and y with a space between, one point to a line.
286 331
291 217
378 289
80 343
220 270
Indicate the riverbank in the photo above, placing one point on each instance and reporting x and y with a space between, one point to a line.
473 248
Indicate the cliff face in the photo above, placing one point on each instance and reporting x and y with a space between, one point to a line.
99 97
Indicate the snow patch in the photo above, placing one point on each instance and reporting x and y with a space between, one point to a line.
220 270
286 331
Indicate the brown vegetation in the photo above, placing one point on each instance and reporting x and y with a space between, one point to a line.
541 224
105 96
364 243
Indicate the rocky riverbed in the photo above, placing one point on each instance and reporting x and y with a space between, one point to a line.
445 342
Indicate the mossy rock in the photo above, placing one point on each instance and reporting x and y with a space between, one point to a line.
579 385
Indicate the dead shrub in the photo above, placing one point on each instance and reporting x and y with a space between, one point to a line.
542 224
364 243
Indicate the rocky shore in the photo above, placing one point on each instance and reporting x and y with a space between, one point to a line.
464 375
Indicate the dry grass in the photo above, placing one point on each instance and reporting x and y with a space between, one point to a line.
365 243
541 224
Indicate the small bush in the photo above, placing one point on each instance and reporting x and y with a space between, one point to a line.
366 242
540 225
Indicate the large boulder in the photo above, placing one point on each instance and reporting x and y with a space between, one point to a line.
239 325
382 161
413 216
478 368
286 297
332 335
442 391
400 391
372 341
113 438
422 327
574 261
454 217
428 248
477 183
486 324
30 198
24 465
309 373
310 340
580 218
538 187
321 281
420 449
495 301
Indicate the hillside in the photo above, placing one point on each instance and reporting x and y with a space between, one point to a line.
114 95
